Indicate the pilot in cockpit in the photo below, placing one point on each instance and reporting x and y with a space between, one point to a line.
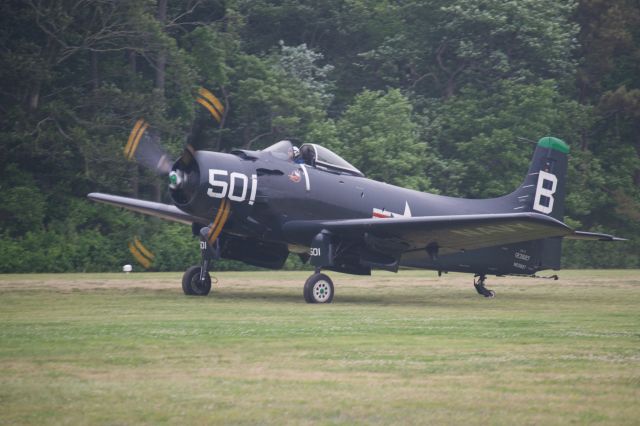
294 155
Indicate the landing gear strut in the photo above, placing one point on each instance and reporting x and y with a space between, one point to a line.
196 281
318 288
480 288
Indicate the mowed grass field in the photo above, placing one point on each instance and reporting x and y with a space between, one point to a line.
409 348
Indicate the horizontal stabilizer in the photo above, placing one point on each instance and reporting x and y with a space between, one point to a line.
592 236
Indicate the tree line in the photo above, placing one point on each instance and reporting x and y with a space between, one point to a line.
435 95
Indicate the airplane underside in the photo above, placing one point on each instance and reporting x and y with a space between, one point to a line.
522 259
525 258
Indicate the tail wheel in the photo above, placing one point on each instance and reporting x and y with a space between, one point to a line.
191 285
318 289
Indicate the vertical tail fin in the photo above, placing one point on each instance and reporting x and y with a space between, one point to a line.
543 189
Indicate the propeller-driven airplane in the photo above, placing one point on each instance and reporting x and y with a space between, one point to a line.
259 206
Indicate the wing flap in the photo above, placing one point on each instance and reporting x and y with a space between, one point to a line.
163 211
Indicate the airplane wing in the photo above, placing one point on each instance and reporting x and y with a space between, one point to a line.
450 234
163 211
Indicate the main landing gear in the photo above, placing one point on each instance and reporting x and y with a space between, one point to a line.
480 288
318 288
196 280
193 284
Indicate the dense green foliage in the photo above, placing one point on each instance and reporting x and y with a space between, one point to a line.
435 95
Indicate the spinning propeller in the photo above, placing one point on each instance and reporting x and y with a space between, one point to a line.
143 255
144 146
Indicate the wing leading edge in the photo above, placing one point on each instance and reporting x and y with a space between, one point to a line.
163 211
450 234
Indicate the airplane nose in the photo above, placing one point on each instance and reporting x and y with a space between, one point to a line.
184 179
199 183
176 178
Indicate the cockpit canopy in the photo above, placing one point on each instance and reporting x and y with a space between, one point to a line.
314 155
281 150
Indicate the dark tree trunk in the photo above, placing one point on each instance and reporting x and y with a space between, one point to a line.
95 76
160 80
34 96
162 55
133 62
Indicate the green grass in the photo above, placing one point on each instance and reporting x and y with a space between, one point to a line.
407 348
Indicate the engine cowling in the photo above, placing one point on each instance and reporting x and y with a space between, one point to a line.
198 186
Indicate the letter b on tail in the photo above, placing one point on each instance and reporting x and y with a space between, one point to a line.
547 184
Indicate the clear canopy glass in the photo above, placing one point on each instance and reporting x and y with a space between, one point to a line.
327 159
282 149
314 155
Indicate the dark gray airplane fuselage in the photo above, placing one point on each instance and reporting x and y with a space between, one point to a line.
287 191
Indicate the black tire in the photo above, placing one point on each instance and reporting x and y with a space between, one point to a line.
191 282
318 289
